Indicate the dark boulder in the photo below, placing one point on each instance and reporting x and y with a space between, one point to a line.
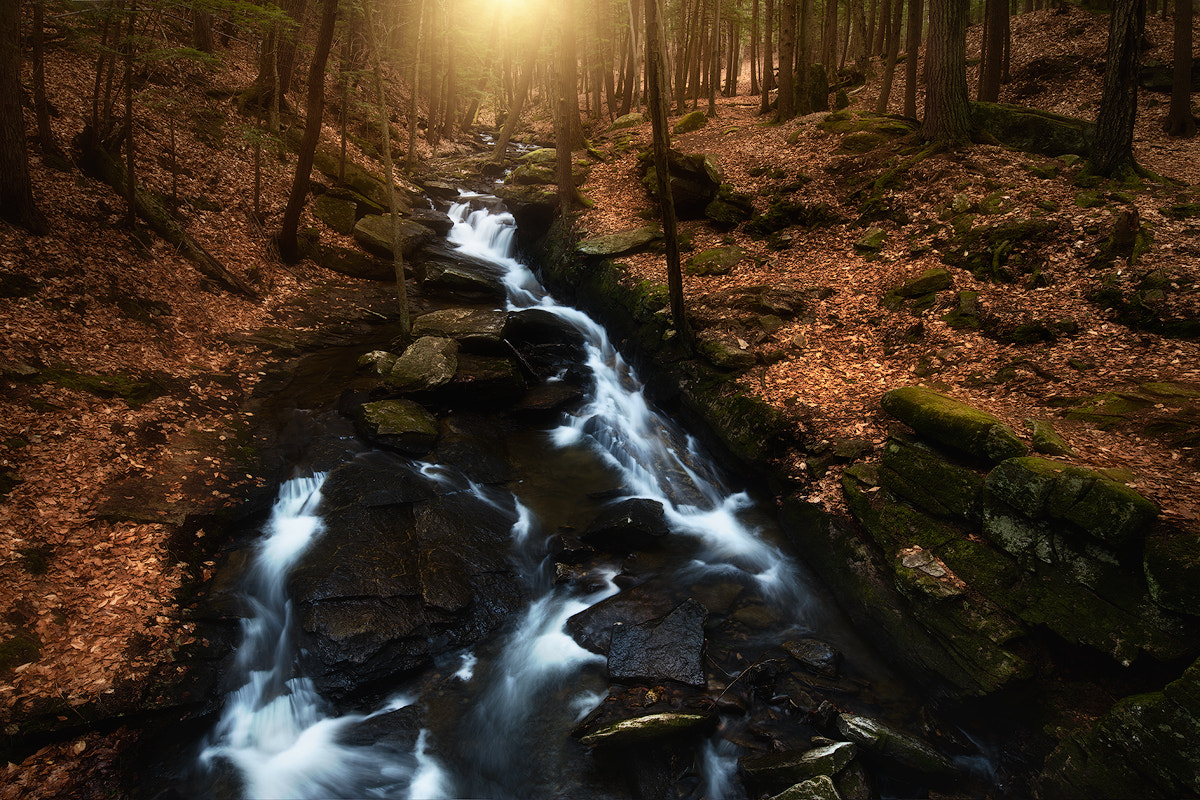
670 648
634 524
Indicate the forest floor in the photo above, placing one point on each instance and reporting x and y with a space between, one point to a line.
92 599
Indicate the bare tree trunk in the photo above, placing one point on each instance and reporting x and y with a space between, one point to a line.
661 145
1180 121
714 62
992 63
915 10
385 130
947 110
410 157
893 53
802 67
522 92
754 88
17 204
130 172
829 36
1113 148
568 108
52 154
882 27
768 70
202 31
289 247
787 57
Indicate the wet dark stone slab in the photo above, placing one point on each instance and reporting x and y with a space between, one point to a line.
670 648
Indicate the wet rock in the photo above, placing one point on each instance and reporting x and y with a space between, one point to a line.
478 330
437 221
592 628
484 382
952 423
649 728
816 655
474 445
634 524
427 363
396 731
376 479
612 244
354 263
1172 566
818 788
462 277
790 767
547 399
399 424
374 233
894 746
669 648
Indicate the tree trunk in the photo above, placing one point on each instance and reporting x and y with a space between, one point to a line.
385 130
915 11
787 56
714 58
414 81
522 92
882 27
893 53
52 154
829 37
992 63
278 60
657 107
1180 120
202 31
768 68
1113 148
947 110
859 38
289 247
16 186
802 67
130 171
754 88
568 108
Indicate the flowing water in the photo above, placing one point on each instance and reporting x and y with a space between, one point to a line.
495 721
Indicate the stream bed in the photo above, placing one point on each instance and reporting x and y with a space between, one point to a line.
593 565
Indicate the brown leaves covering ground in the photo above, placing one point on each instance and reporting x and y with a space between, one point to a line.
839 363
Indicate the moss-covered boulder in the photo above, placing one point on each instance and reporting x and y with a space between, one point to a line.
353 263
729 207
630 120
724 353
895 746
1143 747
694 180
1032 130
620 242
338 214
966 313
751 429
1001 253
792 766
952 423
929 480
427 363
479 329
1046 439
821 787
717 261
398 424
692 121
1171 562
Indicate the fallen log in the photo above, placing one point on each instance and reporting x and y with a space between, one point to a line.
101 165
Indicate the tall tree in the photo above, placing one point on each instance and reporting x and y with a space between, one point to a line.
916 9
289 246
992 64
787 56
52 153
1180 120
893 55
385 130
16 186
947 111
1112 150
277 59
567 115
768 68
657 106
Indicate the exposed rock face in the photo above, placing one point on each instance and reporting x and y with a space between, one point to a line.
612 244
1033 130
670 648
389 585
634 524
694 182
649 728
426 364
374 233
894 745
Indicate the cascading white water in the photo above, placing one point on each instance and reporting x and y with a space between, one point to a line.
284 740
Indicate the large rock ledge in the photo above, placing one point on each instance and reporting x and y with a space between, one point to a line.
966 561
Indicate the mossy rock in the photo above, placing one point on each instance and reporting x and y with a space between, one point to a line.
339 215
1089 199
872 241
750 428
136 391
374 233
862 142
717 261
354 263
792 766
930 481
689 122
1171 561
1155 731
729 207
1032 130
620 242
398 424
929 281
1046 440
20 648
630 120
724 354
1109 409
966 314
1001 252
650 728
783 213
1181 211
953 424
427 363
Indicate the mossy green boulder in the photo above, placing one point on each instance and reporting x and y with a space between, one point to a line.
620 242
689 122
952 423
398 424
717 261
649 728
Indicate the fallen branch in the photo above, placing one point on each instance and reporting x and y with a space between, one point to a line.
100 164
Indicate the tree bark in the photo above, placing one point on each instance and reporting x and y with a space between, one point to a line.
992 63
385 130
16 185
947 110
130 170
1113 148
278 59
893 54
657 106
754 88
787 55
829 37
915 11
414 81
768 68
1180 120
289 247
568 108
52 153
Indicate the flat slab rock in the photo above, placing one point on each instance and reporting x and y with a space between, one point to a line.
670 648
611 244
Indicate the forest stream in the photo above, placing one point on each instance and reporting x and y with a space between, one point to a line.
645 627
